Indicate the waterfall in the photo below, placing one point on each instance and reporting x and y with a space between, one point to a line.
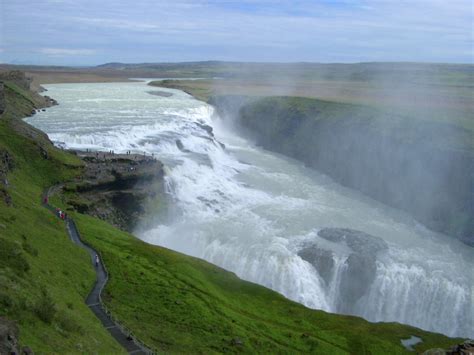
252 212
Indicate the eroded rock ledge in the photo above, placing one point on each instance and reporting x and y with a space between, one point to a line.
117 188
359 269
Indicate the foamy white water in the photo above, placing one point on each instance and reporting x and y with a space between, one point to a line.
252 212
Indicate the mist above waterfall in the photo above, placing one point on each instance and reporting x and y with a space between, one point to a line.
408 130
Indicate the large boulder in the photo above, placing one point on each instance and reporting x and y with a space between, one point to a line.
8 337
359 268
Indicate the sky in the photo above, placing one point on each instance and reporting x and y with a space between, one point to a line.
90 32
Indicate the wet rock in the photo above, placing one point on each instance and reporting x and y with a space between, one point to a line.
2 98
160 93
180 146
236 342
358 241
321 259
117 188
50 102
359 268
9 335
209 203
468 240
206 127
466 348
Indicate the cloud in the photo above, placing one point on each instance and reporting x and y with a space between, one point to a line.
263 30
65 52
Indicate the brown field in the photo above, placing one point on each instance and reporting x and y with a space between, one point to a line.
447 98
442 103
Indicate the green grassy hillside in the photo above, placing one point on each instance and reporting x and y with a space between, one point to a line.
181 304
44 278
176 303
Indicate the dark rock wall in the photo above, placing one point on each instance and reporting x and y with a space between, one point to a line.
117 188
16 76
2 98
422 167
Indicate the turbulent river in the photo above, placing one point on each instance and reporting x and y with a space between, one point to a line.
257 213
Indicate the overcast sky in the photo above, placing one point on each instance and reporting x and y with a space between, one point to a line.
87 32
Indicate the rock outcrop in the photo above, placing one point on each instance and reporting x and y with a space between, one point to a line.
117 188
466 348
9 335
6 165
359 267
2 97
18 77
16 80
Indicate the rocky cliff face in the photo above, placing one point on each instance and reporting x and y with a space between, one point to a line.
16 76
16 81
359 268
117 188
2 97
9 335
422 167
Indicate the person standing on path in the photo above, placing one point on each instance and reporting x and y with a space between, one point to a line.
96 260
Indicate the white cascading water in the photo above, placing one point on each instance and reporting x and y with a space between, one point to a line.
252 212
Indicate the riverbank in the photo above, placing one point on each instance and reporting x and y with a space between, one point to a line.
117 188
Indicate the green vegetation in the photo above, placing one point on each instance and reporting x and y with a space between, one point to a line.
44 278
176 303
200 89
181 304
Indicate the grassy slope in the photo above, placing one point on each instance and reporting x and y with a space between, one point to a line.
35 251
191 306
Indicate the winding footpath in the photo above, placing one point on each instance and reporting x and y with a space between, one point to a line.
94 301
